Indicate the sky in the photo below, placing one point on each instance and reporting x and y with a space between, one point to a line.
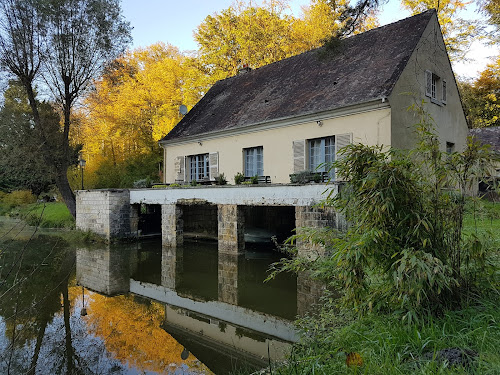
174 22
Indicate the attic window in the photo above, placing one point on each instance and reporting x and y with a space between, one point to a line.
435 88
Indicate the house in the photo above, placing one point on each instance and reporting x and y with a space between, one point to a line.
295 114
283 118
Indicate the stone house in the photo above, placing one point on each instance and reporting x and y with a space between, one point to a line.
295 114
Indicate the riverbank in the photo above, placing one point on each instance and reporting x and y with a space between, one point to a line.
336 342
42 214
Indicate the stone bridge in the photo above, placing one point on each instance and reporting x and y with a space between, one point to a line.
114 213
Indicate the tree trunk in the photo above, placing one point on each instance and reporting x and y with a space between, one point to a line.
66 192
69 345
39 340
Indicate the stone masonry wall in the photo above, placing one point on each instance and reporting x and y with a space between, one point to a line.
228 268
105 212
312 217
200 219
172 225
231 219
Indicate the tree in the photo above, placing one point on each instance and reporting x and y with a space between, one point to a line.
71 41
491 8
20 164
458 33
481 97
134 104
255 36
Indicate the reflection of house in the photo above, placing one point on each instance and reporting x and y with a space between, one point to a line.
295 114
489 136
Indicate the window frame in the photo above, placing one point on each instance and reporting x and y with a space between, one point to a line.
199 167
321 151
253 161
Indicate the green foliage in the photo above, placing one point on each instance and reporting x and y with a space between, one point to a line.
18 198
194 183
390 347
125 174
220 179
239 178
404 250
481 97
22 166
142 183
254 179
304 177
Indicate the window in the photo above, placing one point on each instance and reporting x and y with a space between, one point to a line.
435 88
321 154
199 168
253 159
450 147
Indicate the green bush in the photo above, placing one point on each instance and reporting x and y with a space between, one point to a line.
239 178
404 250
220 179
19 198
254 179
304 177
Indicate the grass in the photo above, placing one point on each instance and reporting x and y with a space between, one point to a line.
46 215
388 346
486 220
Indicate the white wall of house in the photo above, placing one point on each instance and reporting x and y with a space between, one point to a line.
430 55
368 124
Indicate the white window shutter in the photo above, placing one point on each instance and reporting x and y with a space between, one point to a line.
428 83
443 97
213 162
179 168
299 155
341 141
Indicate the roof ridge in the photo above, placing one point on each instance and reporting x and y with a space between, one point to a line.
350 37
305 84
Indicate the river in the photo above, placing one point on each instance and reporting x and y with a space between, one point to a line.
138 308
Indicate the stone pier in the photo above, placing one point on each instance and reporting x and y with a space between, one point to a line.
228 277
104 212
105 270
312 217
172 225
231 233
171 266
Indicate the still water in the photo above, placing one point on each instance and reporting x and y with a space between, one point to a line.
138 308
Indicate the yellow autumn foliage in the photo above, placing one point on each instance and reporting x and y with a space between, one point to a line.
132 332
134 104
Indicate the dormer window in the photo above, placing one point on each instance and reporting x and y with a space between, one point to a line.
435 88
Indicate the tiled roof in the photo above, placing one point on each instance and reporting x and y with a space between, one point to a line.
489 136
363 68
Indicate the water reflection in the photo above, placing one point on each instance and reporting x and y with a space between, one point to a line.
147 306
216 305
